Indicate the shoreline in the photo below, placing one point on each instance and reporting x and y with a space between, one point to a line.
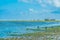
28 21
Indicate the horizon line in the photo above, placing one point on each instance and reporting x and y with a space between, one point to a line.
30 20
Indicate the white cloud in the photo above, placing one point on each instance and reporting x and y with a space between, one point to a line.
56 3
43 2
23 1
50 1
39 1
31 10
26 1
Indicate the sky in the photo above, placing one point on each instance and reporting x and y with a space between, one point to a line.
29 9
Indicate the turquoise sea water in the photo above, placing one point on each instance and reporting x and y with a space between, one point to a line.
20 27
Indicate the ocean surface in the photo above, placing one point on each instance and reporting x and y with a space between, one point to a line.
20 27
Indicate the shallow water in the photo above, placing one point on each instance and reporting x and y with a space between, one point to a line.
20 27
